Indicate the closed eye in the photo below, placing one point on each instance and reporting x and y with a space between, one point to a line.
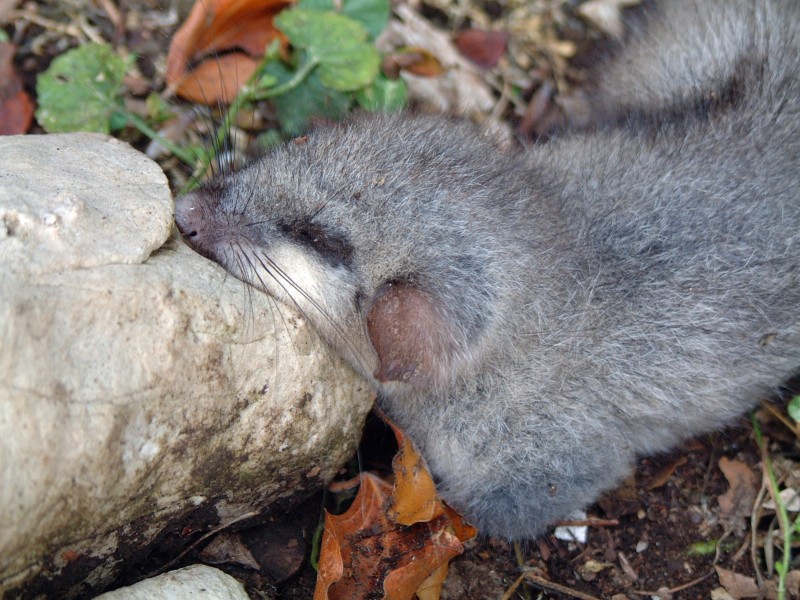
332 247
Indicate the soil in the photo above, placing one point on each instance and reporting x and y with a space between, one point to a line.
661 534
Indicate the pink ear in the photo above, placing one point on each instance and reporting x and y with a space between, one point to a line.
408 333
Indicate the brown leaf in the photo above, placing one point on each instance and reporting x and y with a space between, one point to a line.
415 497
16 108
737 502
414 60
227 547
278 548
224 39
793 583
664 473
737 585
484 48
395 540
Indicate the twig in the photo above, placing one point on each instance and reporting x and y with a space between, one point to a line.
200 540
49 24
589 523
112 12
771 409
89 30
547 585
679 588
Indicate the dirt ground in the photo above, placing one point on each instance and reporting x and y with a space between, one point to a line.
660 535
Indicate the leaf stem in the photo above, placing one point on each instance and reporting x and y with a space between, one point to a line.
787 528
250 93
298 78
186 156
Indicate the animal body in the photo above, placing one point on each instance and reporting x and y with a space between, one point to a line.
536 321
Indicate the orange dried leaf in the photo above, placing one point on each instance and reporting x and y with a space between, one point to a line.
217 80
421 562
16 108
224 39
415 498
462 530
394 542
431 588
417 61
349 552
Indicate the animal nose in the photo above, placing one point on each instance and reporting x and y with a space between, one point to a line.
189 217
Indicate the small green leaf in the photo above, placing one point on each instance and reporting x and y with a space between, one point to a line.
372 14
794 408
296 106
383 95
117 120
81 90
704 548
336 43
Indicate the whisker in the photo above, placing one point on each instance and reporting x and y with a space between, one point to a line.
273 269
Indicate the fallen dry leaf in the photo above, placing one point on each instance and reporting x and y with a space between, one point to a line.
738 586
416 61
227 547
224 40
737 503
415 499
394 541
793 583
789 498
460 90
719 594
16 108
663 474
484 48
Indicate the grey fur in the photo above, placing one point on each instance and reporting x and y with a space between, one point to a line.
598 297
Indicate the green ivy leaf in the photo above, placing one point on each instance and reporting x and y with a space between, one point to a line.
372 14
338 44
295 107
81 90
383 95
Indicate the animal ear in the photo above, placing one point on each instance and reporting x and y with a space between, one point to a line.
409 334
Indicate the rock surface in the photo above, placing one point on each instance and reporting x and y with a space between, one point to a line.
143 393
183 584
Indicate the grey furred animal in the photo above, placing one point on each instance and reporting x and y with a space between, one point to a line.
536 321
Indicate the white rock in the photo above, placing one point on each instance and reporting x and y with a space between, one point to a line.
138 383
183 584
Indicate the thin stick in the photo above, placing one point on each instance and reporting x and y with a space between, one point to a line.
200 540
555 587
679 588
